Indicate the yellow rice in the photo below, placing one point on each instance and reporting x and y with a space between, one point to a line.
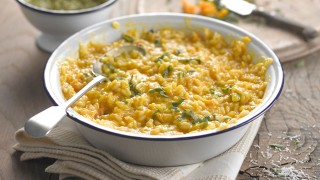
188 82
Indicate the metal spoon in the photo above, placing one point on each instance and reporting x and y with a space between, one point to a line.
41 124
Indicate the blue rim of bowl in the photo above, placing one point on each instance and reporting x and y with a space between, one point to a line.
66 12
188 137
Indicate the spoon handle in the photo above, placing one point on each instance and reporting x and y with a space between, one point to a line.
42 123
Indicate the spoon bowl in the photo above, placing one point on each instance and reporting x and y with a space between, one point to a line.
42 123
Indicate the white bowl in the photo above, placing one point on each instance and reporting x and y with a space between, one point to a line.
58 25
161 150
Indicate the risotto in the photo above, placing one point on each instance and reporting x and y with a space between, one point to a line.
187 82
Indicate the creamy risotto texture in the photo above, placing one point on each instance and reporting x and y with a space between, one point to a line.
187 82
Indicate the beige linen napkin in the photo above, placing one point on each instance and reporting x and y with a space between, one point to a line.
76 157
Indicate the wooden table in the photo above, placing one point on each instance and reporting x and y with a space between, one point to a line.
293 122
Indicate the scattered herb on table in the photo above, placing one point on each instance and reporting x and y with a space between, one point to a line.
276 146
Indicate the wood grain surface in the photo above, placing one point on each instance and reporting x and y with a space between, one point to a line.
292 126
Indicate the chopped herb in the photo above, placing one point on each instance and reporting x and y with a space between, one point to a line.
215 118
193 116
276 171
184 114
111 67
215 92
188 60
124 101
160 58
176 104
226 89
276 146
180 74
188 115
296 141
154 115
178 52
157 43
119 78
191 71
163 93
167 71
226 119
132 87
127 38
151 30
86 75
108 67
174 108
204 120
160 90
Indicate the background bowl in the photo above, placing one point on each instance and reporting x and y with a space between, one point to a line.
161 150
57 25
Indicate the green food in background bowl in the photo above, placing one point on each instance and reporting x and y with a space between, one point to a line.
66 5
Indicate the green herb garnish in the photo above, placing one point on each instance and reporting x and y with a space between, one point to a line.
176 104
188 60
127 38
124 101
151 31
119 78
204 120
154 115
191 71
167 71
180 74
108 68
160 90
132 87
160 58
226 119
178 52
226 89
188 115
157 43
215 118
